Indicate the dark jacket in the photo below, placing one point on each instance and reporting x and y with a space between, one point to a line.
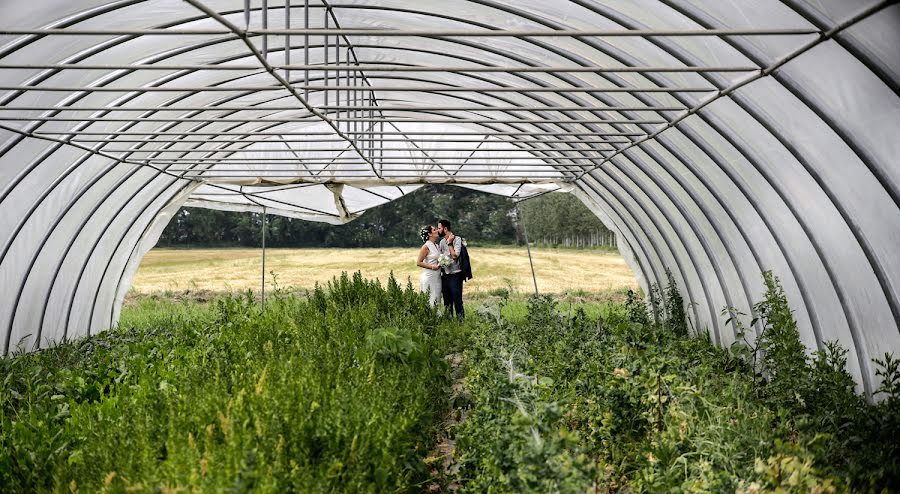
465 265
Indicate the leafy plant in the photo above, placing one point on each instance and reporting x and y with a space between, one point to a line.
340 392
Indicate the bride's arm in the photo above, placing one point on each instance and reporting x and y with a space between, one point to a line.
420 261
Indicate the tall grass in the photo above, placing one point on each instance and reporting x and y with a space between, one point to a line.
344 389
339 392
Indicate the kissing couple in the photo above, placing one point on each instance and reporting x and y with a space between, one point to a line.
442 272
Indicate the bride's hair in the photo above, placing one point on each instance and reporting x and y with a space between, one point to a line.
424 232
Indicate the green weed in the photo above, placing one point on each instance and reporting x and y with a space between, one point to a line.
628 402
338 393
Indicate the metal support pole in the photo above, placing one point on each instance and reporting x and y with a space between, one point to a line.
325 49
528 247
337 79
372 116
351 101
265 25
287 39
264 224
306 48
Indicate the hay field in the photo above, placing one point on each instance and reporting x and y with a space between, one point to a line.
558 270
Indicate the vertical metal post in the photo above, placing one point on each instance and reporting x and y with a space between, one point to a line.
355 102
247 15
306 49
325 49
287 39
265 25
525 232
264 224
337 80
351 99
372 118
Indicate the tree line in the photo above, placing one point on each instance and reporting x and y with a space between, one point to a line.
480 217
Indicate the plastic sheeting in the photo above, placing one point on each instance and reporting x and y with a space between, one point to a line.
781 155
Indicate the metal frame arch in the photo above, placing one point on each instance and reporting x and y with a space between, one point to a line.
702 136
709 187
622 225
681 55
633 258
783 252
825 23
632 226
682 211
479 47
656 223
793 87
61 215
135 220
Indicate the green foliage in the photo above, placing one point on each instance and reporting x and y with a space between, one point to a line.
627 403
675 318
814 399
345 389
338 393
784 355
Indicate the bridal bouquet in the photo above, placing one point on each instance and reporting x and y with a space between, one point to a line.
444 261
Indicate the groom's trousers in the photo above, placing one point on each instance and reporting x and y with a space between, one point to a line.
452 288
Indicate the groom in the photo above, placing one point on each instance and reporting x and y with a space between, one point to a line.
452 278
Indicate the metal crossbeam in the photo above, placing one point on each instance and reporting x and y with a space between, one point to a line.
416 167
326 88
245 140
345 108
367 181
381 68
251 119
411 173
308 150
315 133
333 160
466 33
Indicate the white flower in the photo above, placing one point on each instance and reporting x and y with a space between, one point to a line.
444 260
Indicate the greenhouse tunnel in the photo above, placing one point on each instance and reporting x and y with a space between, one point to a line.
717 139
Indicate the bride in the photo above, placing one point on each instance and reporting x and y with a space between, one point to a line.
430 281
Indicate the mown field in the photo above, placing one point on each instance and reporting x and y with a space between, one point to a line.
359 386
558 270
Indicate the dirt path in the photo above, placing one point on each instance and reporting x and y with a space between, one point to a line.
442 459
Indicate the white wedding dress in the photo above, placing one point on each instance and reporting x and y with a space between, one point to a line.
430 281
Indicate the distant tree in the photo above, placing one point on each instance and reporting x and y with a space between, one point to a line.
558 215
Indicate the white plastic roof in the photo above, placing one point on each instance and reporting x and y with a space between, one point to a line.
717 138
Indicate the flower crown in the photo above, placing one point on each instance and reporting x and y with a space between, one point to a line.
424 233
